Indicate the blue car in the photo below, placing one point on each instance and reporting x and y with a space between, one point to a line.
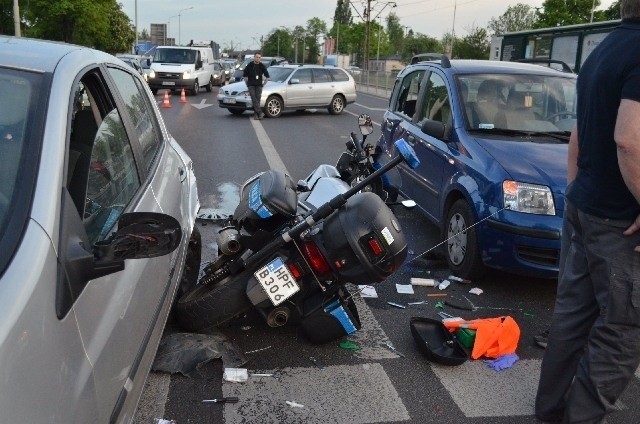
492 138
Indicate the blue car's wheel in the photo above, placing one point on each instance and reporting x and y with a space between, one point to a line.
463 253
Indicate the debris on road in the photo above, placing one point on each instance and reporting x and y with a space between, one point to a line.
425 282
404 288
397 305
444 284
235 375
477 291
294 404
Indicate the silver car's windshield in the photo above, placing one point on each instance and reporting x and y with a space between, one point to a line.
535 103
279 74
182 56
19 129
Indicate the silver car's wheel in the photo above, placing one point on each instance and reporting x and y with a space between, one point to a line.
463 252
273 107
337 105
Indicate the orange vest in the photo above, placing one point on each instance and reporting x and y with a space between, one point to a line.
494 336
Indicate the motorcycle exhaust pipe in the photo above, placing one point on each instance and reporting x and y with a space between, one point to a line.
278 317
229 241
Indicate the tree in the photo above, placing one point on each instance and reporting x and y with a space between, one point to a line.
613 12
315 28
419 43
144 34
565 12
342 15
518 17
475 45
396 33
279 43
101 24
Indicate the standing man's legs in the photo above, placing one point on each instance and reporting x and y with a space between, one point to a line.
256 93
575 311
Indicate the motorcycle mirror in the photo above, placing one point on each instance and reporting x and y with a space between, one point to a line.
365 124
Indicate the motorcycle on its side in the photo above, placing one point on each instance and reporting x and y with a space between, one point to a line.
289 249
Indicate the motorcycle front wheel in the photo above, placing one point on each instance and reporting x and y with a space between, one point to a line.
210 305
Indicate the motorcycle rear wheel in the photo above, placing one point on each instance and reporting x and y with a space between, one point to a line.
210 305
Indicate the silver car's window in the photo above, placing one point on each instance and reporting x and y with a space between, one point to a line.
304 75
113 177
519 102
408 93
278 74
141 113
339 74
321 75
19 93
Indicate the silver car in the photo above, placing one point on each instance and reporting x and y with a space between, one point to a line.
296 87
97 211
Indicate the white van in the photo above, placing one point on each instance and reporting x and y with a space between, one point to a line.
175 67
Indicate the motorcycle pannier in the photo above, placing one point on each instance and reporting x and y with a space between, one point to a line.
363 240
267 201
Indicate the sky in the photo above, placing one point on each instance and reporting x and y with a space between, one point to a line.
239 24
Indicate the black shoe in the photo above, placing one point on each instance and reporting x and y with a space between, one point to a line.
542 339
257 118
261 115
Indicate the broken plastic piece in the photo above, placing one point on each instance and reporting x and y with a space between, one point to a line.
404 288
235 375
458 279
477 291
444 284
294 404
397 305
349 345
163 421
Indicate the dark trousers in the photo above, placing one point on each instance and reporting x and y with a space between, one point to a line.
256 92
594 339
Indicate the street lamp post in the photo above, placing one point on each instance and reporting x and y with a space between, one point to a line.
169 28
179 24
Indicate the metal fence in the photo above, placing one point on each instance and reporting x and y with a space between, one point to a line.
378 83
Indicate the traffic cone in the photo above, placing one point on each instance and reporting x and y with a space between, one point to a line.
165 101
183 97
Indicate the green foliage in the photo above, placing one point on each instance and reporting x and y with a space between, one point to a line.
565 12
396 33
419 43
95 23
315 28
342 14
518 17
279 42
475 45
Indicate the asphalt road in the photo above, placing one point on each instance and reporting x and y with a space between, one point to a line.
372 384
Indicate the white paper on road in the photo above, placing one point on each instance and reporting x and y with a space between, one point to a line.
368 291
404 288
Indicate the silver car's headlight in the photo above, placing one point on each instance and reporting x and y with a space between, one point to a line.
186 75
528 198
246 93
152 74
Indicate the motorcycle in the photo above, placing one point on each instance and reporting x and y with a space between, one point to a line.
288 250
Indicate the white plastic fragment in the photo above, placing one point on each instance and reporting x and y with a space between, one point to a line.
294 404
235 375
477 291
404 288
444 284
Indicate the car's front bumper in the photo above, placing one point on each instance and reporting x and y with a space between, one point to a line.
235 102
523 244
159 83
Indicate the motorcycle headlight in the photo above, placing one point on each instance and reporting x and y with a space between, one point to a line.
152 74
186 75
528 198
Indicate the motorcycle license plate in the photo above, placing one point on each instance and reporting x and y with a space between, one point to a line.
277 281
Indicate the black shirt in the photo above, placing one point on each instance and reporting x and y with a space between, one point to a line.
610 73
254 72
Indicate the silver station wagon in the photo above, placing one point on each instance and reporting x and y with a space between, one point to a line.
97 211
294 87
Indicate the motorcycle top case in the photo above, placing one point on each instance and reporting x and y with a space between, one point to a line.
267 201
363 240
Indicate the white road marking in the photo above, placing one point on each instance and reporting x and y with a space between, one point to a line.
201 105
367 387
371 108
270 152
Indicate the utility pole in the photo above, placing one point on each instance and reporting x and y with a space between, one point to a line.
367 24
16 18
